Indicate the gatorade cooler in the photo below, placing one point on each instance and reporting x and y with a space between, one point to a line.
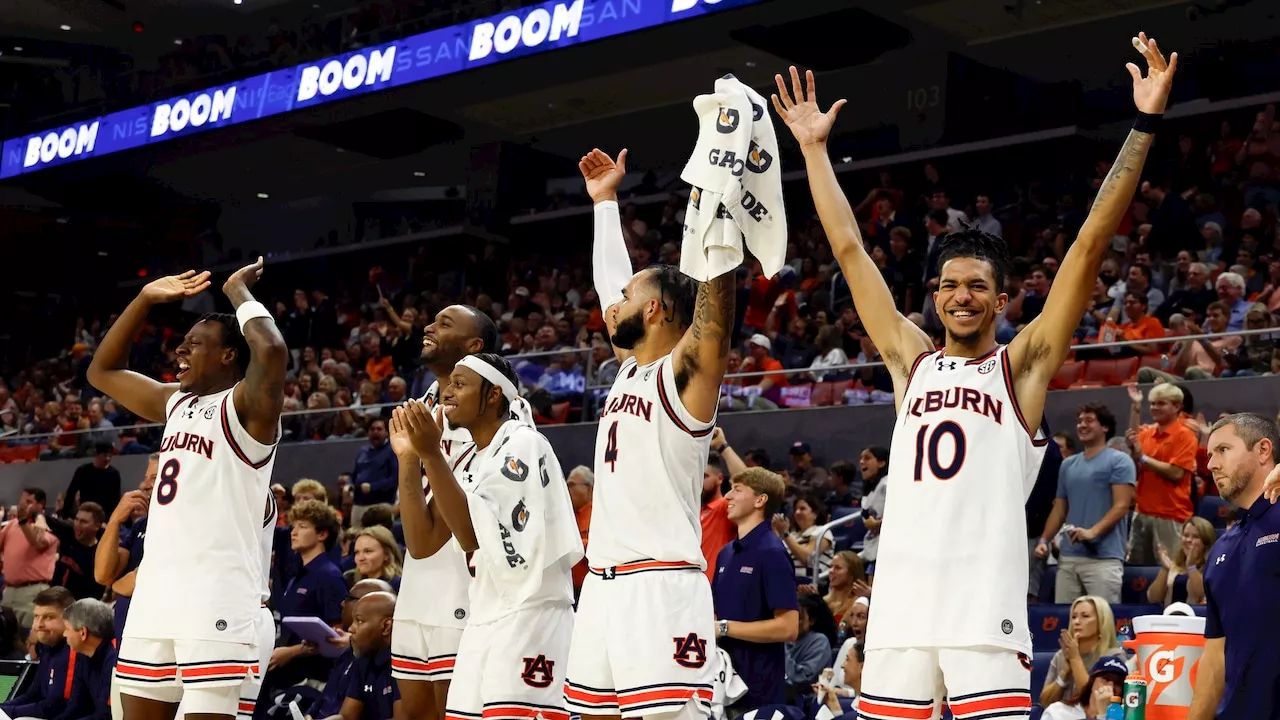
1169 649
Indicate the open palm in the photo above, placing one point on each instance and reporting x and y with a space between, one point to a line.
1151 93
602 174
176 287
798 108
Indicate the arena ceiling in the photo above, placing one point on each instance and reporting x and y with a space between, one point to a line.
632 90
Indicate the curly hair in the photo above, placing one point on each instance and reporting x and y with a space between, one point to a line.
970 242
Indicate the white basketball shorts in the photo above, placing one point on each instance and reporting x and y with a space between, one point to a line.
915 683
423 652
513 667
643 642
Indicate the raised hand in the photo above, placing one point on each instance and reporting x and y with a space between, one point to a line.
424 427
131 503
799 109
243 279
1135 395
176 287
398 432
602 174
1151 93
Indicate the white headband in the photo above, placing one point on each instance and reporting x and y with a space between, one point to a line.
862 600
492 374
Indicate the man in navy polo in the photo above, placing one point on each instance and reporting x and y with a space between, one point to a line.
1239 673
372 693
754 588
48 693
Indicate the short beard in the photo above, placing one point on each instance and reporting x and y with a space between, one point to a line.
1236 484
629 332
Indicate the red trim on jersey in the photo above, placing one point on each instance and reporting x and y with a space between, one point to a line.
875 709
248 706
463 456
916 363
517 711
181 400
124 667
431 666
663 694
643 566
671 411
207 670
580 695
71 673
1006 370
983 358
235 446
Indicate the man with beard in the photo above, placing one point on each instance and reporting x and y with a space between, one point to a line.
429 622
1240 670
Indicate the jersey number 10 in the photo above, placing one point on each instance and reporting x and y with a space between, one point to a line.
927 443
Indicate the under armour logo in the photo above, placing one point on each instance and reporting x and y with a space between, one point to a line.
1220 559
946 364
609 573
368 688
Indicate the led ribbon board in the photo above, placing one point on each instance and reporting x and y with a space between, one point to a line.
535 29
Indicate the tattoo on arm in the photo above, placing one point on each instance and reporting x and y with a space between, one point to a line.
265 376
1132 156
712 325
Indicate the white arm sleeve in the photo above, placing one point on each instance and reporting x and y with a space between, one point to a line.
610 260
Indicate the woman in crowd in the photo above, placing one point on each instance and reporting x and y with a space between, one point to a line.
1090 636
1106 681
830 354
807 517
377 556
811 652
1181 578
850 660
874 463
847 581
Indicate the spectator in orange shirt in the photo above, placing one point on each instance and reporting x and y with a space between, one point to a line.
1165 453
717 529
760 359
1140 326
582 483
378 367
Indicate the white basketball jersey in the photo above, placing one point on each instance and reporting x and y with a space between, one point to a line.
650 456
433 590
202 575
268 539
952 564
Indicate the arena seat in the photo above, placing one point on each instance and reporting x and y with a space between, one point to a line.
1048 583
1214 509
847 536
1155 362
1039 668
1103 372
1137 578
1045 622
829 393
1067 375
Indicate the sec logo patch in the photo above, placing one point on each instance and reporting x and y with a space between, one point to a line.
987 366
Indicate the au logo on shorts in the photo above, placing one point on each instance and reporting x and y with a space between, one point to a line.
691 651
538 672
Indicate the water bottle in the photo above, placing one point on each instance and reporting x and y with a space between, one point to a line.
1115 711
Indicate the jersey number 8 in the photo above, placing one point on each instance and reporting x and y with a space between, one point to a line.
927 443
167 486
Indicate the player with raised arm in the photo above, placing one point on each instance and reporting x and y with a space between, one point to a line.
508 506
433 605
610 259
194 625
644 629
966 446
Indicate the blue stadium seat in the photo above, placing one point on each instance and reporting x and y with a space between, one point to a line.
1048 583
1137 578
850 535
1046 621
1214 509
1039 668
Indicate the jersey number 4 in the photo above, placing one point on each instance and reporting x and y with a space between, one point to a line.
927 443
611 447
167 485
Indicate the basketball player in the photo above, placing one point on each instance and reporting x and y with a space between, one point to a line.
433 609
967 445
507 504
644 628
194 624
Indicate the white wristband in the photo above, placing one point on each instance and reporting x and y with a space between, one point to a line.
250 310
1061 682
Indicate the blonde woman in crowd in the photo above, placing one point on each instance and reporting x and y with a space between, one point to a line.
377 557
1090 636
1181 578
848 581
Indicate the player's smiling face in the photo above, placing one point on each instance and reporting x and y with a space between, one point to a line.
462 399
968 300
200 356
449 336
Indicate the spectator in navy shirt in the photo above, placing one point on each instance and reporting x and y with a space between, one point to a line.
1239 672
376 472
335 688
316 590
49 691
89 628
119 550
372 693
754 588
77 548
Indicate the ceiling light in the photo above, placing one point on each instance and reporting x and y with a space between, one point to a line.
65 27
419 173
238 2
263 196
17 48
178 41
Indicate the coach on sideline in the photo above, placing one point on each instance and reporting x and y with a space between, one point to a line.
1240 669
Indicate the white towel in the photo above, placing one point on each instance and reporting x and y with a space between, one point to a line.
737 185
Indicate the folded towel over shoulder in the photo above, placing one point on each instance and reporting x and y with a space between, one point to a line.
737 185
